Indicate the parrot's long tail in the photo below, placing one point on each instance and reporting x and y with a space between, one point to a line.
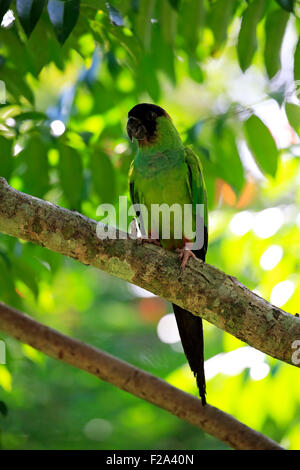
191 333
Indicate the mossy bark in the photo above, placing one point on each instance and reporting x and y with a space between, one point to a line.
202 289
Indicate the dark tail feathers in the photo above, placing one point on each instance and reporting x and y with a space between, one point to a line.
191 333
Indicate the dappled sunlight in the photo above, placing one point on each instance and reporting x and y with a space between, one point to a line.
271 257
234 362
282 292
140 292
241 223
167 330
268 222
57 128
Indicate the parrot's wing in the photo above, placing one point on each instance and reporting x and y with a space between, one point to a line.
133 194
136 199
197 190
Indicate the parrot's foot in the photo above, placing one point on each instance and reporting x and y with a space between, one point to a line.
184 255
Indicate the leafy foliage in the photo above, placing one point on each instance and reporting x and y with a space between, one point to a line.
262 145
72 70
29 13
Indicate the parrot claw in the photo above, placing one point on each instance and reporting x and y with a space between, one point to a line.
184 255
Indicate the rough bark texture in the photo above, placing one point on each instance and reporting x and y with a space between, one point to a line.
200 288
133 380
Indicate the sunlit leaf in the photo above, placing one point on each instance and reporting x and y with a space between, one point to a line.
262 145
293 114
168 23
247 41
226 156
275 26
297 63
195 70
5 378
193 17
63 16
29 12
219 20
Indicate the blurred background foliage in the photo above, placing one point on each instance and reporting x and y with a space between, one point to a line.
228 73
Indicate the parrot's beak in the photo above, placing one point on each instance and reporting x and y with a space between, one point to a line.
135 129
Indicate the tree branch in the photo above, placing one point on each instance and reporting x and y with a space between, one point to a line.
200 288
133 380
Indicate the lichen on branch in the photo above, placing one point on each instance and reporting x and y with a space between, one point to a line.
202 289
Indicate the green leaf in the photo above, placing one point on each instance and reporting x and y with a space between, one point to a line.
275 25
26 274
279 93
297 62
71 175
193 18
143 27
175 4
15 84
4 6
29 12
195 70
16 65
287 5
219 20
35 158
247 42
6 158
114 15
135 5
293 114
30 115
63 16
44 47
163 54
168 23
128 41
146 78
103 176
7 285
3 408
262 145
226 157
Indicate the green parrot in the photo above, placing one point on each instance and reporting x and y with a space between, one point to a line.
165 172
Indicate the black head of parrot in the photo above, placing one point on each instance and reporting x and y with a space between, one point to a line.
142 122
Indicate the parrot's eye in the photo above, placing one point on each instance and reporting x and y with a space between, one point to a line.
152 115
